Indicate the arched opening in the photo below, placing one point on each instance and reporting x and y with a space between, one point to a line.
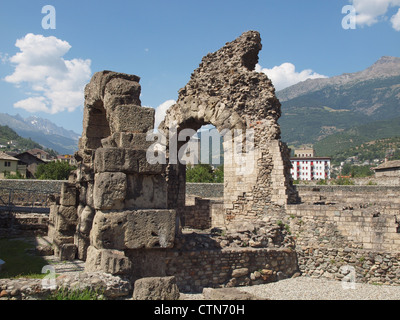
96 127
201 162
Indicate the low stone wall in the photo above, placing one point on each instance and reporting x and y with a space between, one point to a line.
45 186
385 196
198 215
340 226
332 240
13 224
198 269
350 265
205 190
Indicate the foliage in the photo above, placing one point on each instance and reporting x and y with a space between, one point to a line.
18 175
8 134
219 174
204 173
335 108
56 170
357 171
367 142
76 294
343 182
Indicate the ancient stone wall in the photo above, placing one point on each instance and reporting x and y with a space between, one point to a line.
226 92
202 268
353 266
39 186
198 215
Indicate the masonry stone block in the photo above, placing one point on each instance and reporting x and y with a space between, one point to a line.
134 229
136 141
68 194
125 160
146 192
132 118
108 261
66 219
109 190
67 252
156 288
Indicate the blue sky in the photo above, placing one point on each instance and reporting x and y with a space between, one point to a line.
164 41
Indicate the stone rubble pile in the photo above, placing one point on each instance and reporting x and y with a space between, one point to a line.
111 287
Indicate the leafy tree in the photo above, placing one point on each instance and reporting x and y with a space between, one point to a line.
200 173
58 170
219 175
204 173
17 175
357 171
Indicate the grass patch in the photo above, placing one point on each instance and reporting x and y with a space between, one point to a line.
78 294
19 263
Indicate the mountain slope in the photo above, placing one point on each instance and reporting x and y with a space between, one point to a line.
315 109
43 131
7 134
385 67
340 142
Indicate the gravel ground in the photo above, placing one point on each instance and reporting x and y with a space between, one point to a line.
306 288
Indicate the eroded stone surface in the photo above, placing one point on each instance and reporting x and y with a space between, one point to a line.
134 229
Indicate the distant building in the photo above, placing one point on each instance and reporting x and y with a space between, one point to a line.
8 165
40 154
307 166
304 153
67 158
31 162
388 169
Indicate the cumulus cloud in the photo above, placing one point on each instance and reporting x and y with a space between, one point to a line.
370 12
285 75
3 57
395 20
161 111
56 84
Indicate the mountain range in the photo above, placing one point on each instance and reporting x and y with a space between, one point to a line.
43 132
314 109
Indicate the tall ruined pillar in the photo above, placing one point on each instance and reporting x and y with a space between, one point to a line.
121 199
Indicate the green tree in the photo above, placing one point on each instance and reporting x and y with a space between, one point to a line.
58 170
219 174
200 173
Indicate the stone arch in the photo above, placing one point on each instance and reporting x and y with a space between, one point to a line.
226 92
109 98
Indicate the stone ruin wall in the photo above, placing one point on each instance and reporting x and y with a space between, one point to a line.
123 215
226 92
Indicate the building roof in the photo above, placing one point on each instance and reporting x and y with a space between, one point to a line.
29 155
5 156
388 165
36 150
309 158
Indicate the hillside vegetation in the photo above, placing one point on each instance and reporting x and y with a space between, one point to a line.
19 144
314 109
7 135
349 142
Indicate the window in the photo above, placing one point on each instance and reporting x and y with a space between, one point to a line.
7 164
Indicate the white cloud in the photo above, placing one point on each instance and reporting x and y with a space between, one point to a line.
370 12
57 83
3 57
395 20
161 111
285 75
